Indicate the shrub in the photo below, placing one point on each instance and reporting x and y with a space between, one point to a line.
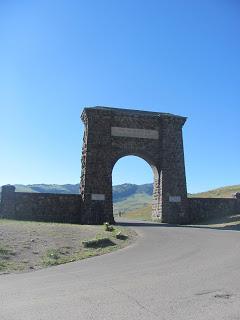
121 236
98 243
5 252
108 227
52 257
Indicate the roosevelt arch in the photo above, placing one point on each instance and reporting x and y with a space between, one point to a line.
112 133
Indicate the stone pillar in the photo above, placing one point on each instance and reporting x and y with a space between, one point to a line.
157 195
172 176
96 178
8 202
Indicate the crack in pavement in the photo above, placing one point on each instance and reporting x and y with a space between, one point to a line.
207 292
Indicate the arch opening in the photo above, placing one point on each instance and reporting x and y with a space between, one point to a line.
133 182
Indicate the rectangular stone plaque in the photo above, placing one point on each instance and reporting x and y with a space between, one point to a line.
98 197
134 133
174 199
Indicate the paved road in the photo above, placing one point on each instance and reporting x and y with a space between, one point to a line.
168 273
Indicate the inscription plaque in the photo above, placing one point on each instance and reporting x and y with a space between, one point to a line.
174 199
98 196
134 133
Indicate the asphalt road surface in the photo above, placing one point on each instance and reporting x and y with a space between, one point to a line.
168 273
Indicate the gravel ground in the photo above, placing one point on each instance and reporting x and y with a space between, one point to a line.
26 246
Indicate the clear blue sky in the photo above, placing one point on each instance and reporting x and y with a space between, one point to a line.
172 56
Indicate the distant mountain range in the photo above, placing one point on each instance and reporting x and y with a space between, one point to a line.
120 192
127 196
48 188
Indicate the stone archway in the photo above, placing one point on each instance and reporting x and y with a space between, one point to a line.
112 133
146 166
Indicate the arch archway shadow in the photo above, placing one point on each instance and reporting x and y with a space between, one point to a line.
139 223
224 223
201 225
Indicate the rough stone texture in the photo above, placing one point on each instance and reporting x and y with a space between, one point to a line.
237 195
205 208
7 205
40 206
111 134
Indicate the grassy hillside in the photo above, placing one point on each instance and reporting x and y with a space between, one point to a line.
224 192
144 213
125 191
134 202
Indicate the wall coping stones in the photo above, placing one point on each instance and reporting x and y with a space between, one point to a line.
132 112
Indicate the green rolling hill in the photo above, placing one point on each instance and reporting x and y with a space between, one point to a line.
224 192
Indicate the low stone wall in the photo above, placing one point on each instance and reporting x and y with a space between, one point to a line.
46 207
204 208
67 208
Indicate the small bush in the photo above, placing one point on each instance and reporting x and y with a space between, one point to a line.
98 243
5 252
3 265
108 227
52 257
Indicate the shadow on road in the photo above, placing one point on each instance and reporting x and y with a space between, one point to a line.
224 223
139 223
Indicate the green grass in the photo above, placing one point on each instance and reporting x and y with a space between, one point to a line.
144 213
135 202
4 252
6 266
54 257
224 192
5 256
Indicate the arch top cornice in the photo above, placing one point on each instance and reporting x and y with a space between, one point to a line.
110 111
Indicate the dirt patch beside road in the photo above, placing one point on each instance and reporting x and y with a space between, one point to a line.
26 246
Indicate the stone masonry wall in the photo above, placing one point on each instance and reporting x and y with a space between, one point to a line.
67 208
45 207
200 209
